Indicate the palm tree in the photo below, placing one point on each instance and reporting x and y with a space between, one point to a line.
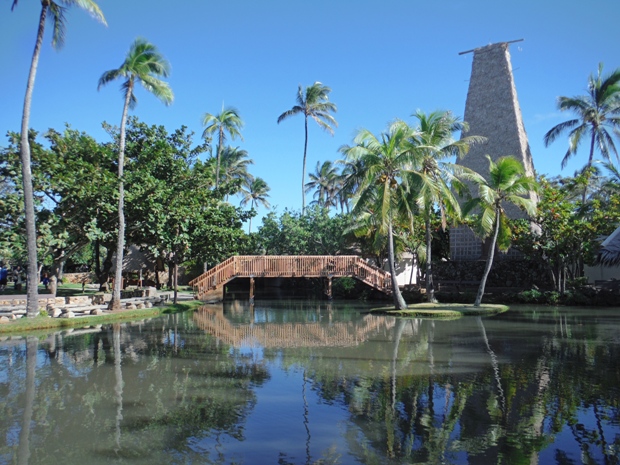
325 182
234 165
227 121
57 13
386 160
432 179
143 64
255 192
598 116
507 183
350 178
314 103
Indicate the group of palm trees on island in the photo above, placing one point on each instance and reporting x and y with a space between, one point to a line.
386 180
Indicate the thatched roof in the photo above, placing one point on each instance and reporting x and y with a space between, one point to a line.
609 253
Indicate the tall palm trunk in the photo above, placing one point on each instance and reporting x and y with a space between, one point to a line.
399 302
489 264
32 303
303 169
115 303
590 159
430 287
219 154
250 223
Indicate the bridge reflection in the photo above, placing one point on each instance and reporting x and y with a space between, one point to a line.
327 333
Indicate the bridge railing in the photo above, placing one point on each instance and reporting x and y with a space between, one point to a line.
309 266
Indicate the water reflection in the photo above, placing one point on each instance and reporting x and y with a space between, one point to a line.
309 383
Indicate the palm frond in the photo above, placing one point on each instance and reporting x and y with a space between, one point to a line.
57 16
557 130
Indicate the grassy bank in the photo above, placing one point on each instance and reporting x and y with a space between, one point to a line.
39 323
442 311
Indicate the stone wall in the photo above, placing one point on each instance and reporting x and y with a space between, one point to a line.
79 278
514 273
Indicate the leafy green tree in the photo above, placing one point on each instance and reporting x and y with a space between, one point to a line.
312 233
255 192
74 185
314 103
143 64
57 13
227 121
13 235
386 160
80 185
567 235
598 116
171 209
507 183
432 179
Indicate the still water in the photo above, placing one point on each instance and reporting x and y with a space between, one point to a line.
314 383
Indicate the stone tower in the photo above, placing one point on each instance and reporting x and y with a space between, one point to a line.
492 110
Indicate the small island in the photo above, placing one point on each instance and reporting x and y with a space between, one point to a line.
442 311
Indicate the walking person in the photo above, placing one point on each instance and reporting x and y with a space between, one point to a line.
4 276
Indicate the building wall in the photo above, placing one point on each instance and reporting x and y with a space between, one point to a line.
406 270
601 273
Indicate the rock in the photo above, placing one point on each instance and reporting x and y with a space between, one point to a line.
101 299
96 311
4 320
80 299
68 315
148 305
54 312
130 306
140 305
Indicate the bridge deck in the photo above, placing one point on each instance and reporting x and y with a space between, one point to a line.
211 284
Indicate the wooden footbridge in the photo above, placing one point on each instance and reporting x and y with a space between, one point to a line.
210 285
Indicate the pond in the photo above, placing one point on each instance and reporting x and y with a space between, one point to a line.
291 382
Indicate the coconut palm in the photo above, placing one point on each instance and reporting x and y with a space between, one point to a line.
255 192
57 13
350 178
314 103
507 183
325 182
143 64
386 160
227 121
612 184
598 116
432 178
234 165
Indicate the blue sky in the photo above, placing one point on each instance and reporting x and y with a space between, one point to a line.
383 60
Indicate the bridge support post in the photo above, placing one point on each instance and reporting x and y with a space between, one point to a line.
252 289
329 287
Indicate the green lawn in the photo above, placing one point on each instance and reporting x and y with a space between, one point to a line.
43 324
69 290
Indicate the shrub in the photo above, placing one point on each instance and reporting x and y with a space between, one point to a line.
553 297
531 296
